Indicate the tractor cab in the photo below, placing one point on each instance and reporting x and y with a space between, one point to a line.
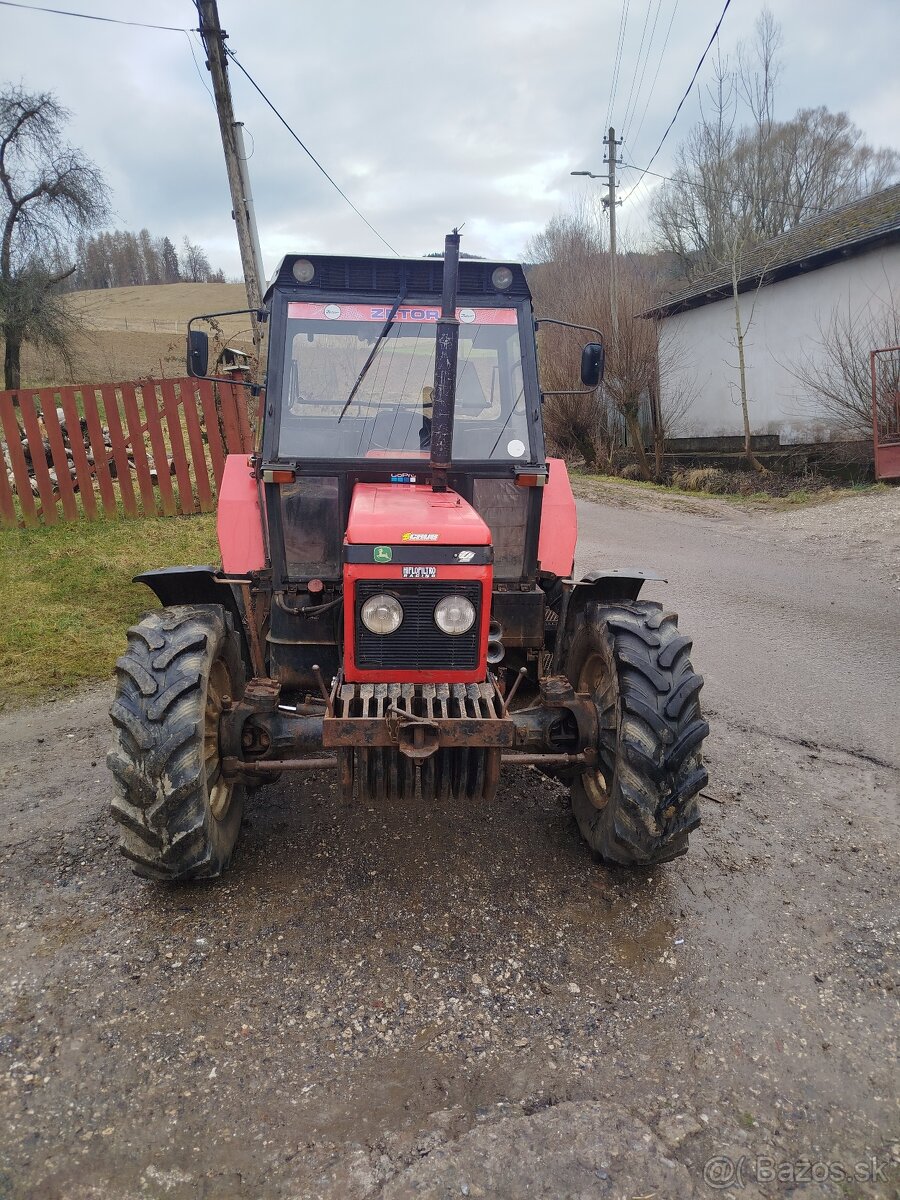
397 599
350 422
350 395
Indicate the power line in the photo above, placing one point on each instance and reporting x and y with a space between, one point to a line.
64 12
662 55
620 45
704 187
308 152
197 65
687 92
637 63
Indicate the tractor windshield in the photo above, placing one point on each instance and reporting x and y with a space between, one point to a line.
390 415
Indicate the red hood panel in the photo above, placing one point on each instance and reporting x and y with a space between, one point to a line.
394 513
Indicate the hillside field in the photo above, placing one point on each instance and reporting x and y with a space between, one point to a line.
135 333
168 304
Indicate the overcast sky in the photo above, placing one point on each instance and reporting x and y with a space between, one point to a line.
427 114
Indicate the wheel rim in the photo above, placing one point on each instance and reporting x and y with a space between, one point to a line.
597 677
218 789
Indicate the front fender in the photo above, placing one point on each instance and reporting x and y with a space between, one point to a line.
616 583
198 585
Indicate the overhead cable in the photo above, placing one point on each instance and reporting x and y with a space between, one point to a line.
687 92
635 83
620 45
64 12
662 54
733 194
308 152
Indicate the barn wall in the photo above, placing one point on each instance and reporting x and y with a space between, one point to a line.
784 330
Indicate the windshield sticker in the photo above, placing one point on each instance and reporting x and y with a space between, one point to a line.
382 554
419 572
298 309
419 537
515 448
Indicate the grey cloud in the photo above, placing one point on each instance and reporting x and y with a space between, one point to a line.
426 114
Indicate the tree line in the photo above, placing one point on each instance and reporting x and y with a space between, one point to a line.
120 258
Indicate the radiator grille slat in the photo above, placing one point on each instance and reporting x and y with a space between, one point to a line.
418 644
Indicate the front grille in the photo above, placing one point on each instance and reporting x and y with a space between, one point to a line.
418 645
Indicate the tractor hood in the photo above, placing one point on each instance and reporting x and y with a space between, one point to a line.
391 514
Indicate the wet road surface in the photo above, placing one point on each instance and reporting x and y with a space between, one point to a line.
422 1002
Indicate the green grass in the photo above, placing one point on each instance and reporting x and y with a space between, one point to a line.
798 497
669 489
66 596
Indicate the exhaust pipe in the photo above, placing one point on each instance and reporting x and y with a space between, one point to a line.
446 349
496 651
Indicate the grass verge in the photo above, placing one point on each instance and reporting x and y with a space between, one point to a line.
66 595
797 497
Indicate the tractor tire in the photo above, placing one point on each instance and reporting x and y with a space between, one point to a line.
637 806
179 819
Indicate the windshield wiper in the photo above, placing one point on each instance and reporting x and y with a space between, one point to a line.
386 328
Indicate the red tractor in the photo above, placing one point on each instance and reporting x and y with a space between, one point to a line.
397 600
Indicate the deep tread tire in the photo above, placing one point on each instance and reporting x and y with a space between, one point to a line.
639 806
165 787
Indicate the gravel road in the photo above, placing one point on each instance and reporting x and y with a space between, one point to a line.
412 1001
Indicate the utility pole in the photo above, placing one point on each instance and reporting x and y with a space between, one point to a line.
610 202
214 36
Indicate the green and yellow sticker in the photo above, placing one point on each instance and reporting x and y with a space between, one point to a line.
383 554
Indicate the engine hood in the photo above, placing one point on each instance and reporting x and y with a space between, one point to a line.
412 515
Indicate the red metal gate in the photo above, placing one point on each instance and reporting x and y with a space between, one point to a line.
148 448
886 411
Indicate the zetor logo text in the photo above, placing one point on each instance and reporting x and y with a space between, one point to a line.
406 314
419 537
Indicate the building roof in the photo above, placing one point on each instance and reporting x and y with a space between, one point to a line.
842 232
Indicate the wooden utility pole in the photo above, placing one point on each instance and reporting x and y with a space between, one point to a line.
232 143
611 202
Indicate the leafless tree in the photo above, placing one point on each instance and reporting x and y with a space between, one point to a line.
49 193
194 264
744 310
835 371
742 171
571 282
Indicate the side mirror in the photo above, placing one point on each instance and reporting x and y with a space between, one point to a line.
198 354
593 364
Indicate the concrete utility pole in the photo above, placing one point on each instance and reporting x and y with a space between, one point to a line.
610 202
233 144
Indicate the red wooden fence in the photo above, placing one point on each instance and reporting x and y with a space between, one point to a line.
153 447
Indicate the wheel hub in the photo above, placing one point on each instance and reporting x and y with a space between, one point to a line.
219 789
599 680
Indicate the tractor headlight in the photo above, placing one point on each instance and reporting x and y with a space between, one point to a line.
501 278
303 270
382 614
454 615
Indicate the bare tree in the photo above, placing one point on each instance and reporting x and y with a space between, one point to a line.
835 371
195 266
49 193
763 177
571 282
743 319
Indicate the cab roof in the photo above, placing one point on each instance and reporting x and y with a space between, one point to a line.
391 277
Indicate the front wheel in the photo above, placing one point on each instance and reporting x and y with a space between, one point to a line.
178 815
637 806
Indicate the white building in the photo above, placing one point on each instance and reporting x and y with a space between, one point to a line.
848 258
